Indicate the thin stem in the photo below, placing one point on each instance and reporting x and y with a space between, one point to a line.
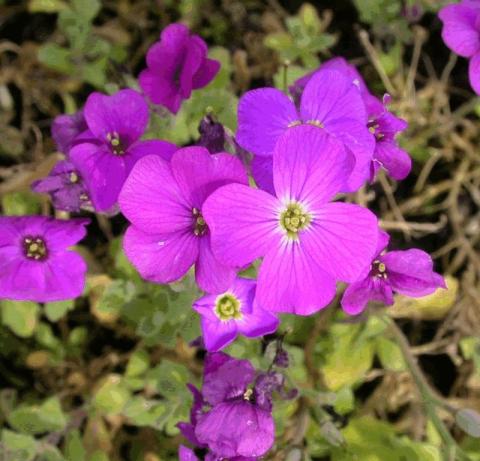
429 396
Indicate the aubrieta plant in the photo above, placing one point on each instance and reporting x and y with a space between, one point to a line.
283 212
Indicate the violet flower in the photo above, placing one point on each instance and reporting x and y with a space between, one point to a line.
461 33
307 243
381 123
35 262
176 65
330 102
233 312
235 426
408 272
116 124
66 188
66 128
212 135
164 203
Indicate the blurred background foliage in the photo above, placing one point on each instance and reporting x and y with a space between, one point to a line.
102 378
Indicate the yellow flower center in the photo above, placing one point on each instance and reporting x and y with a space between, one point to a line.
294 219
228 307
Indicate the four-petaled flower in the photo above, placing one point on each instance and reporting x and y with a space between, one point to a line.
116 124
176 65
307 243
164 203
408 272
227 314
35 263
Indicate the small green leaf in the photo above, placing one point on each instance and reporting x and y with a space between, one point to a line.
20 316
38 419
390 355
74 449
55 311
112 396
18 447
56 57
46 6
139 363
20 203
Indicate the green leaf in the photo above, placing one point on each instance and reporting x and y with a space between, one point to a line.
112 396
56 57
20 203
143 412
390 355
74 449
38 419
20 316
86 9
48 452
46 6
55 311
18 447
138 363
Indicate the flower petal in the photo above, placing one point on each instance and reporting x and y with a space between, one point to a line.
459 32
309 166
263 115
163 149
342 239
411 272
125 113
237 428
199 173
217 334
152 200
474 72
262 172
358 294
257 323
289 280
206 73
102 172
211 275
160 90
161 258
243 222
395 160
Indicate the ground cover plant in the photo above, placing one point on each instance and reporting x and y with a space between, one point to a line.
239 230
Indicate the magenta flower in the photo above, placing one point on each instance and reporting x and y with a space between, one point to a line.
66 128
66 188
35 263
461 33
185 454
176 65
164 203
330 101
235 426
116 124
407 272
307 243
381 123
233 312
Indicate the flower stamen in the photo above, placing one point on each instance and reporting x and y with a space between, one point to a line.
200 226
228 307
379 270
35 248
115 143
294 219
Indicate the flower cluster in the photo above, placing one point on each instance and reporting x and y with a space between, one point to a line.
196 207
232 415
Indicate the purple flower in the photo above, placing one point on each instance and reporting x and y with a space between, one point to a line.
227 314
66 128
176 65
35 262
212 135
185 454
330 102
381 123
385 126
231 424
307 243
407 272
164 202
66 188
116 122
461 33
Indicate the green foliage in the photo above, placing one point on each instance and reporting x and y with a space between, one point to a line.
85 53
304 38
